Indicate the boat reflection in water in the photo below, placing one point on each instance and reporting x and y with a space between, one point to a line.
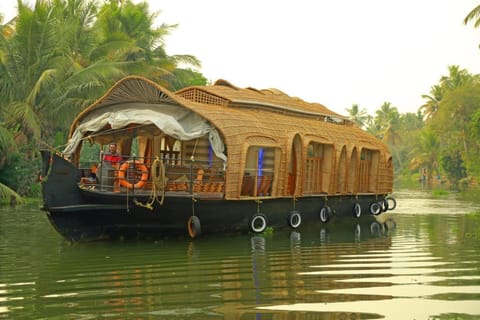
209 278
281 276
347 269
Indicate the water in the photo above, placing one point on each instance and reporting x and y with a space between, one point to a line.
427 267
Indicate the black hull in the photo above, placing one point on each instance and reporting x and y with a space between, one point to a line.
86 215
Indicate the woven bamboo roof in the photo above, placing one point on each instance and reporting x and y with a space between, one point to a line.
248 117
268 115
224 93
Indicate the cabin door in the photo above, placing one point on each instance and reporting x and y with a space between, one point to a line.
342 172
352 172
318 168
294 165
368 170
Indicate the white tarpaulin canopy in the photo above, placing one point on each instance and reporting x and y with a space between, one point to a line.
173 120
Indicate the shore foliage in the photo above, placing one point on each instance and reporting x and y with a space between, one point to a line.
58 56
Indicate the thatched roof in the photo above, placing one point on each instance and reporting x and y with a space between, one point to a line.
226 94
241 113
243 117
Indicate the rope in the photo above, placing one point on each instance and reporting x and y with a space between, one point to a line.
159 181
51 148
192 157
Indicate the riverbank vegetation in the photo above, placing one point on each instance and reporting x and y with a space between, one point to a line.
58 56
439 145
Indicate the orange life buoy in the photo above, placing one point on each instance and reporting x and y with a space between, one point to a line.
139 166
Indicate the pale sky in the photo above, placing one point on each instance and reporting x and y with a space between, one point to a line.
337 53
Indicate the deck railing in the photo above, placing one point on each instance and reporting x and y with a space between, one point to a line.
141 175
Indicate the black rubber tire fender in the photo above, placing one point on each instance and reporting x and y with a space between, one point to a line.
294 219
357 210
194 227
325 214
258 223
391 200
375 208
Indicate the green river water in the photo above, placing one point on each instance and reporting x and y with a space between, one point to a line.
424 263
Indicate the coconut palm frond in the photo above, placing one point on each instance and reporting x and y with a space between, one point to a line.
25 115
6 138
473 15
7 193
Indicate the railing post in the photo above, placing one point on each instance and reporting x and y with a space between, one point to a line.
191 178
134 174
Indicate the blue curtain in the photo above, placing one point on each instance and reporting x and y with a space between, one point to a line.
260 162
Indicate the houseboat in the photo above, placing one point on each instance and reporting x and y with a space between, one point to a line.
210 159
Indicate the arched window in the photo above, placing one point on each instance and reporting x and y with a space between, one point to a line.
259 171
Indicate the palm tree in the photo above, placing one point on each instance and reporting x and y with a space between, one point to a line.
456 78
26 68
60 55
387 122
6 143
127 33
456 111
80 78
474 15
426 153
387 119
47 74
411 121
39 74
430 107
360 117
